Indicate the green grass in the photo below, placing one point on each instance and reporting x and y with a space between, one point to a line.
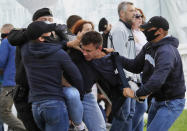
180 124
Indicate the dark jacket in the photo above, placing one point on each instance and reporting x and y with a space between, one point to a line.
18 38
101 71
106 68
105 39
161 64
89 75
45 64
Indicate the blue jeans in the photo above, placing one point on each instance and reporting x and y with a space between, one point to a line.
163 114
51 115
74 104
92 115
122 121
103 112
138 119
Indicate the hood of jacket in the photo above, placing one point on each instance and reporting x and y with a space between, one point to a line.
41 50
167 40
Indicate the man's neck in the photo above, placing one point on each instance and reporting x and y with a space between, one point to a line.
126 24
160 37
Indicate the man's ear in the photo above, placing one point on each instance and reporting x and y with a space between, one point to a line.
100 48
122 13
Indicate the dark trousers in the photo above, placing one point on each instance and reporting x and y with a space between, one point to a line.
24 109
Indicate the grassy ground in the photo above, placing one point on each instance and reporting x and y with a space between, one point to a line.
180 124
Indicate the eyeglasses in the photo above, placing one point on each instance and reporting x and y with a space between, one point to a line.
138 16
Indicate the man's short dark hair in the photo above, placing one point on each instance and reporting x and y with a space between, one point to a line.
122 6
92 37
72 20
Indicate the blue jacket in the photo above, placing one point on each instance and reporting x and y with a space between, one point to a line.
7 63
45 63
163 75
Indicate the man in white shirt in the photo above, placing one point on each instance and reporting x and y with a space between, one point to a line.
122 41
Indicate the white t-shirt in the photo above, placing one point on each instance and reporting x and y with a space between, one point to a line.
140 40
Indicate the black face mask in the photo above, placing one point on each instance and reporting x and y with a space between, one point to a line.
150 35
50 39
3 35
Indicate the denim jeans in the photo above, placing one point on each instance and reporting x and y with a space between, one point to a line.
122 121
92 115
138 119
163 114
51 115
74 104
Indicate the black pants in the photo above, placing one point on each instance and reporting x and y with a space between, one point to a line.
24 109
24 113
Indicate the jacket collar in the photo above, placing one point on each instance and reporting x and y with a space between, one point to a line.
126 24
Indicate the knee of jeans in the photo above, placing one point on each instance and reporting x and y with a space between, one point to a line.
72 93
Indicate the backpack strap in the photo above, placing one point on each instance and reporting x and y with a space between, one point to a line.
119 67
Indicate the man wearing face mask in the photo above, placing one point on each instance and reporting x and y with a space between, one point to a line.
162 77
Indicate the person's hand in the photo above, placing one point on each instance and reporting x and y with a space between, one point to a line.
109 27
80 34
60 31
109 50
127 92
143 97
65 82
76 43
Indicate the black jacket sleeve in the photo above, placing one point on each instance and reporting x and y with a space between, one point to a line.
134 65
69 68
17 37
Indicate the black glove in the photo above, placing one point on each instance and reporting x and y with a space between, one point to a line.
61 31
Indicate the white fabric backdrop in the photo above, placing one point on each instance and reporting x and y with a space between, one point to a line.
19 12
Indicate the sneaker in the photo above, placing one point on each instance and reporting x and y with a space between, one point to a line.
81 127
